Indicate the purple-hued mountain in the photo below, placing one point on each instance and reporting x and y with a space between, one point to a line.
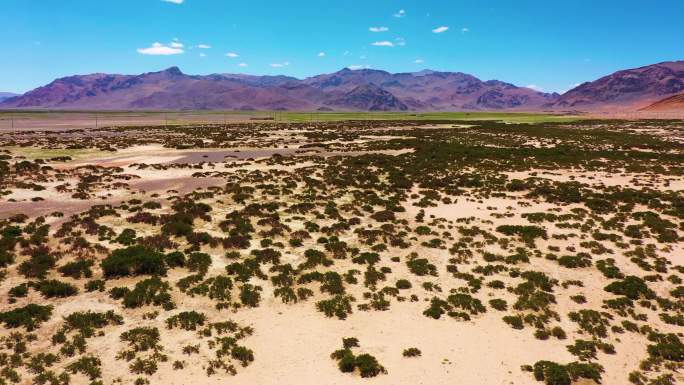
348 90
345 90
7 95
629 89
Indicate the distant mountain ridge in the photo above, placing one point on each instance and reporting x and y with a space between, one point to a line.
348 90
627 89
7 95
345 90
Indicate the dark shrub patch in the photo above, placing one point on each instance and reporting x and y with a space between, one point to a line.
77 269
421 267
150 291
527 233
339 306
29 316
39 264
198 262
556 374
134 260
55 289
187 320
631 287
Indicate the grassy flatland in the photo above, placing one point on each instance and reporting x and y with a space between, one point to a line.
513 117
28 119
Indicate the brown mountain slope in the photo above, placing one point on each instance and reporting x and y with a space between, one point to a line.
628 89
673 103
369 97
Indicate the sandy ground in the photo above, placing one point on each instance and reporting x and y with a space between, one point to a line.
293 343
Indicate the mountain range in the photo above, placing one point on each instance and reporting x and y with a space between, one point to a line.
346 90
7 95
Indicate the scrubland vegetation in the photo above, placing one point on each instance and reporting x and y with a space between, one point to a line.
568 234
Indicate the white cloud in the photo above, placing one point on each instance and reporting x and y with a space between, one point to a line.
202 54
321 54
400 41
203 46
378 29
161 49
280 65
465 29
174 1
384 43
358 66
535 87
242 65
419 61
401 13
440 29
176 44
232 55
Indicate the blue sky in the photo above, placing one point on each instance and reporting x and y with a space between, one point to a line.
551 45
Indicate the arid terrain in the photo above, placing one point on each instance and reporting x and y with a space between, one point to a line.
343 252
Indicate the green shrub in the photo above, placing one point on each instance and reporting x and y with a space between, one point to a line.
242 354
421 267
127 237
187 320
592 321
87 322
29 316
350 342
527 233
556 374
608 268
249 295
515 321
38 265
19 291
412 352
498 304
339 306
198 262
466 302
575 261
631 287
133 260
77 269
150 291
55 289
88 366
95 284
175 259
368 366
667 346
141 339
437 308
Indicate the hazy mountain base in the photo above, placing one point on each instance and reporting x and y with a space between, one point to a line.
449 192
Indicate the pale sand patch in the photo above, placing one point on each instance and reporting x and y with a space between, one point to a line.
293 343
607 179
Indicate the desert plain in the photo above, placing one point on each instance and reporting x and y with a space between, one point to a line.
389 251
